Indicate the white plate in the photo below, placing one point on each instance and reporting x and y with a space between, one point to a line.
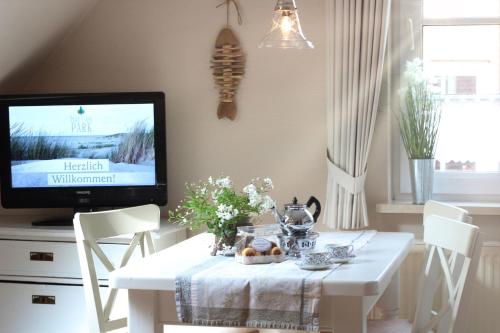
343 260
312 267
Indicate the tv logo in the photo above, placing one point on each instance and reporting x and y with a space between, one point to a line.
80 124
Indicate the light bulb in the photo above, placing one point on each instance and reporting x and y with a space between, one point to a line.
286 24
285 32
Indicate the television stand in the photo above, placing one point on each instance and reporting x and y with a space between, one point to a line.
64 222
40 279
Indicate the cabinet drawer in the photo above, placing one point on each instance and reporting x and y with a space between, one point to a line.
49 259
28 308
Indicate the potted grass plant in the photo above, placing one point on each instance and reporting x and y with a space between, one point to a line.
419 128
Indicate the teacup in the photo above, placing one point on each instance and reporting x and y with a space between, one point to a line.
340 251
313 258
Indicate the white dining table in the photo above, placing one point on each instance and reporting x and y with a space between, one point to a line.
348 293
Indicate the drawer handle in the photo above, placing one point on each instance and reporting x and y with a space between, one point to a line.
41 256
41 299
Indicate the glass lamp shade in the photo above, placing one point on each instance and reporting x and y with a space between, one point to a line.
286 32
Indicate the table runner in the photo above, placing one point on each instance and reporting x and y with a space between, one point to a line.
221 292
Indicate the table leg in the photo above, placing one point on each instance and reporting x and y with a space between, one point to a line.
143 312
349 314
388 303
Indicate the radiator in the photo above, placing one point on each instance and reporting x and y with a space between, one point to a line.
485 302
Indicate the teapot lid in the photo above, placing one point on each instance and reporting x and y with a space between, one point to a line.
295 205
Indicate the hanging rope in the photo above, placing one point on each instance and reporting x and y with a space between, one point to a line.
236 7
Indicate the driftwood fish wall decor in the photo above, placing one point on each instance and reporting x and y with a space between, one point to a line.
228 65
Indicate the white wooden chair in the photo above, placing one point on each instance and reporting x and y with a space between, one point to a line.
451 260
91 227
442 209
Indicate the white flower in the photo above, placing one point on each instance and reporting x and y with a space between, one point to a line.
250 189
266 205
210 180
223 212
203 190
226 213
268 183
215 195
224 182
254 199
414 73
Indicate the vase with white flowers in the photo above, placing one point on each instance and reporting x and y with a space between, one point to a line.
419 127
218 206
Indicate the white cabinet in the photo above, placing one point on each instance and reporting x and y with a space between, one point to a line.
39 258
23 309
40 281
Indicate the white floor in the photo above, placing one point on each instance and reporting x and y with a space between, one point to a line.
196 329
192 329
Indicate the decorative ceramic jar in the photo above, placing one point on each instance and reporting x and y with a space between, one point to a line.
294 244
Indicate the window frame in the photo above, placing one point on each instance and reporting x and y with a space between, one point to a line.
407 18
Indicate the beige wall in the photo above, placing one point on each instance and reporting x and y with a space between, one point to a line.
280 131
128 45
29 31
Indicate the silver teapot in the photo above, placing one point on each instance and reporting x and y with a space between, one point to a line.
296 218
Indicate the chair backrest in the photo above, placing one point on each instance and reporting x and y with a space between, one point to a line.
442 209
95 226
451 261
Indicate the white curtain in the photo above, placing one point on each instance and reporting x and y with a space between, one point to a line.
357 41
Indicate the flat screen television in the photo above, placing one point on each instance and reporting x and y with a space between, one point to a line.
83 151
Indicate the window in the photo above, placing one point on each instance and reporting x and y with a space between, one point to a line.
459 42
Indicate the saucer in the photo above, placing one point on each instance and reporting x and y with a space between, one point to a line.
311 267
343 260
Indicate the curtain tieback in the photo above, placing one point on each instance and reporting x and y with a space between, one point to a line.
353 185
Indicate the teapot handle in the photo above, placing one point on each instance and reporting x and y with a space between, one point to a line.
313 200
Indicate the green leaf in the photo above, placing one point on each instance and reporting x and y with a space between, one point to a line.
419 121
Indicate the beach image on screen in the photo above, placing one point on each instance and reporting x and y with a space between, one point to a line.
82 145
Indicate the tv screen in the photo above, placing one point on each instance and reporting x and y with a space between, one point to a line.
83 150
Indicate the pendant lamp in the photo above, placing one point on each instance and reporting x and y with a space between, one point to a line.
286 32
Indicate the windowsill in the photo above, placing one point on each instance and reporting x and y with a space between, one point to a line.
474 208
